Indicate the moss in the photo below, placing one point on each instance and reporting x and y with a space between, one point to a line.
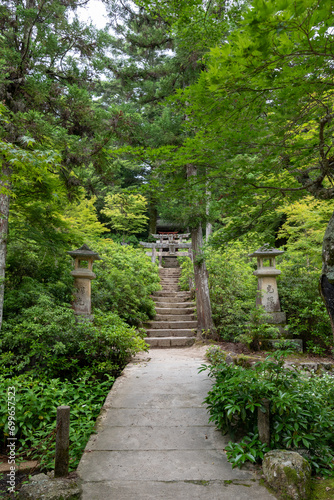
319 489
299 478
291 474
264 483
243 361
201 483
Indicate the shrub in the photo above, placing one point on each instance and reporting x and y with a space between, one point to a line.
47 340
125 280
301 409
233 291
232 288
306 312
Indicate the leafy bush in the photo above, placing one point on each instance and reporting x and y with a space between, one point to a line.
47 339
306 312
232 288
125 280
36 409
249 449
301 409
233 293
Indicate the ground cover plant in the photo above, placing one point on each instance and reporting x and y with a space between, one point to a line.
36 409
301 410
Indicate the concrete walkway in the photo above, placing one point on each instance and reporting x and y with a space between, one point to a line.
154 440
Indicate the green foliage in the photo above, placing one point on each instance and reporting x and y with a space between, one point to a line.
126 212
32 272
40 332
301 409
125 280
249 449
187 272
81 216
257 328
47 340
307 317
304 227
36 409
232 288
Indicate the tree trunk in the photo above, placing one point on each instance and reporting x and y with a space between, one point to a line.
153 215
208 229
203 303
327 278
4 213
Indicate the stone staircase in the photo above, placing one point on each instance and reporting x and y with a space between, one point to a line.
174 324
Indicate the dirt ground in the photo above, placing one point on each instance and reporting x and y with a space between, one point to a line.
199 349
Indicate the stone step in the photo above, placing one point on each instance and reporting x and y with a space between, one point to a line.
171 293
171 300
174 310
169 282
170 341
170 288
169 273
168 276
172 305
175 317
172 325
167 332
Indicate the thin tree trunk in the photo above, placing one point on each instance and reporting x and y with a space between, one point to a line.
327 278
208 228
203 303
4 213
153 215
208 231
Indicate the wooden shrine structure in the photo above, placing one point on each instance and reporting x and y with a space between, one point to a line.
168 245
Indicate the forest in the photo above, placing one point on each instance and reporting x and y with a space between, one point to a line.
209 117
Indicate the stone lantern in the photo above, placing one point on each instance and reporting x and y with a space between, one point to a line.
83 275
267 286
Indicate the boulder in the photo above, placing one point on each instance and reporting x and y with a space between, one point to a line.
288 473
47 488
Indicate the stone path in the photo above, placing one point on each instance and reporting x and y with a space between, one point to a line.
153 439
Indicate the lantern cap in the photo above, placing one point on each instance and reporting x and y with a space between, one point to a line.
266 251
84 251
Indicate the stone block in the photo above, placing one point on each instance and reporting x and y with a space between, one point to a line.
288 473
276 318
41 486
182 341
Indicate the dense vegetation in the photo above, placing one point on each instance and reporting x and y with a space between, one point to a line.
51 358
216 116
301 410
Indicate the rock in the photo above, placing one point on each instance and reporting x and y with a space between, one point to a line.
229 359
42 487
288 473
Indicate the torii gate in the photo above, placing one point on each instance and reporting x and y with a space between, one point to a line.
172 242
